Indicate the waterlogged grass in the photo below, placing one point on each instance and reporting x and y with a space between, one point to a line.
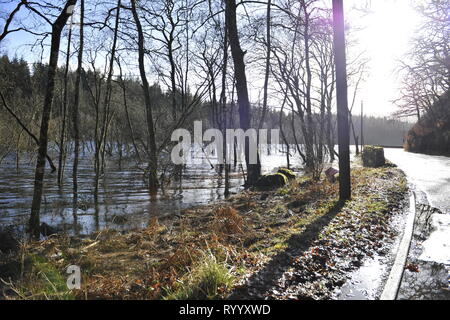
42 281
207 251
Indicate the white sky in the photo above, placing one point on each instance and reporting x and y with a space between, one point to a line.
386 38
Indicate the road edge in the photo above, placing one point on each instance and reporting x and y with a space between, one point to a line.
392 285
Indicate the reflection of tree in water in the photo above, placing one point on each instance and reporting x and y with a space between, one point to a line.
431 282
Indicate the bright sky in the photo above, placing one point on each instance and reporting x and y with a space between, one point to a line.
385 37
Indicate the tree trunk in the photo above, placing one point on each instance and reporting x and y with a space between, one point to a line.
355 137
308 133
153 159
342 101
75 119
267 71
362 126
64 111
127 114
253 170
57 28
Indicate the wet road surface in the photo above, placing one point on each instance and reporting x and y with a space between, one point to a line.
430 174
428 275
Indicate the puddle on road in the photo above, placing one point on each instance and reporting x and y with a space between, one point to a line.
437 247
430 256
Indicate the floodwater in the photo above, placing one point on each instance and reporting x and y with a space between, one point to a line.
124 202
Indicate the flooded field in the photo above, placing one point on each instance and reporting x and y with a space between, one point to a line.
123 202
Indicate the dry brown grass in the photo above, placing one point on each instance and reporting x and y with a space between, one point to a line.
228 222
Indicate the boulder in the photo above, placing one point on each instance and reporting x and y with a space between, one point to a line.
373 157
276 180
288 173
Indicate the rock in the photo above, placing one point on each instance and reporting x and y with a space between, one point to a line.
288 173
276 180
373 157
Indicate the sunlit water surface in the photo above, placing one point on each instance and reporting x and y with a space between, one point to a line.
124 202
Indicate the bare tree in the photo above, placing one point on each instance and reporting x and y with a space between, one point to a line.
75 112
152 149
426 71
253 170
57 27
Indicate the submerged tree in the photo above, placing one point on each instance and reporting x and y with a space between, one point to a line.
253 170
75 112
57 27
151 144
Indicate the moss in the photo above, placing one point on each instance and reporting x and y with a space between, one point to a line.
288 173
284 191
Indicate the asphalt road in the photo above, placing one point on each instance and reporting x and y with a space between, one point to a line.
430 174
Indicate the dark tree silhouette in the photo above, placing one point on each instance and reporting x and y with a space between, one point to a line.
342 101
57 28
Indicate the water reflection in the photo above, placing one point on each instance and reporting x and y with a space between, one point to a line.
124 202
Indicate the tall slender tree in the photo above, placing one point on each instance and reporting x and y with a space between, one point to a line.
64 109
151 144
57 27
342 101
75 116
253 170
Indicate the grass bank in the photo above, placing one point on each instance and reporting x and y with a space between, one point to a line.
233 248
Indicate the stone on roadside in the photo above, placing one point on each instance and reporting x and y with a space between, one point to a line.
373 157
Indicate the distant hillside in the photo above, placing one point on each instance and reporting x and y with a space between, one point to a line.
431 134
380 131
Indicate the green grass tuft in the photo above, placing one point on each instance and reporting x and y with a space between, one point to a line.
208 280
